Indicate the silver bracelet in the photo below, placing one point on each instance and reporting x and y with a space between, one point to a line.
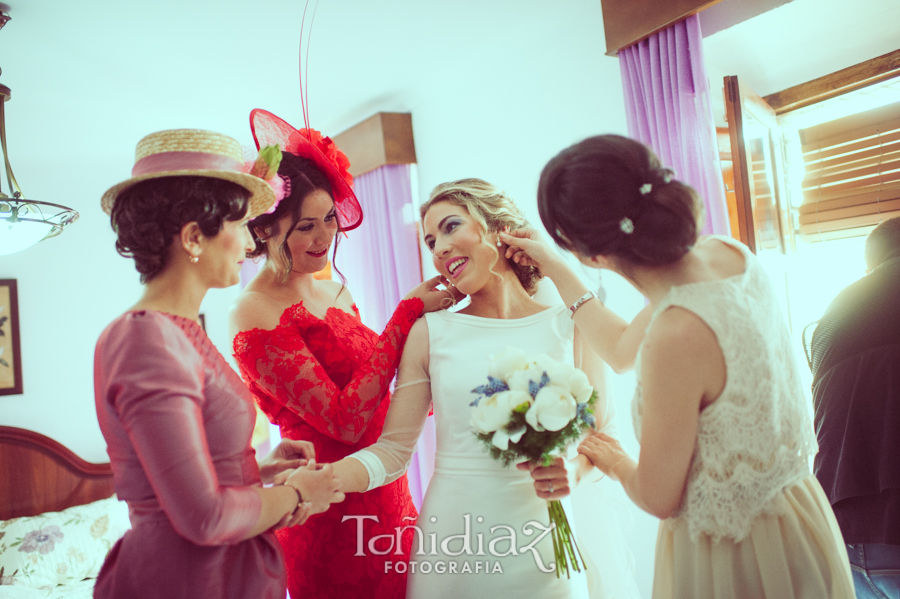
586 297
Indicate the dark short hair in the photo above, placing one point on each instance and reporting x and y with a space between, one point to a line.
149 215
587 190
304 178
883 243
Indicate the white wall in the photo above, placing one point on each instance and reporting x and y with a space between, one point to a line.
500 95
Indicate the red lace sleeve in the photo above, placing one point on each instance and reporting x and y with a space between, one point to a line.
278 366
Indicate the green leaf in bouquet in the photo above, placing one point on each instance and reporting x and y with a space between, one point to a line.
522 407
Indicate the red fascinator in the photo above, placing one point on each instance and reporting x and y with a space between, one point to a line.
269 129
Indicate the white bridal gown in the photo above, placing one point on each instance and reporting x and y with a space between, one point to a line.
480 521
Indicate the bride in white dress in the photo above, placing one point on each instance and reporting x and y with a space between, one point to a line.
483 528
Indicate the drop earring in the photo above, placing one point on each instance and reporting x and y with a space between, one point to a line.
499 243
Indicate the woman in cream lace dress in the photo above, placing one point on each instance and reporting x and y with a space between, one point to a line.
726 437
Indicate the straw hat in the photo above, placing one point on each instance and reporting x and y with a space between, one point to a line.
192 152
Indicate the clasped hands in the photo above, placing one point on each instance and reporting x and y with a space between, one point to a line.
293 463
557 479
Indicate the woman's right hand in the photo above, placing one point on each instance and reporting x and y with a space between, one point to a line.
528 248
317 485
434 298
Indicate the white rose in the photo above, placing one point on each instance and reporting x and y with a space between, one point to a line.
495 412
553 409
572 379
543 363
502 365
518 381
501 438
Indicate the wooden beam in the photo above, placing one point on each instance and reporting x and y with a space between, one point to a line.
627 22
383 138
838 83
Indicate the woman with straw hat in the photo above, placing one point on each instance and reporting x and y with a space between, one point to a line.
176 418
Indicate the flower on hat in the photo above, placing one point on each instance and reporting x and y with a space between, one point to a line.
265 166
325 145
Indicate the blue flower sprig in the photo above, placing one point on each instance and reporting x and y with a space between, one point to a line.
585 414
493 386
533 387
496 386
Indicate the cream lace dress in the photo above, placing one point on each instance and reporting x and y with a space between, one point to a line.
753 522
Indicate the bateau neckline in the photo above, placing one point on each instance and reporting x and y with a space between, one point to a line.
501 322
168 315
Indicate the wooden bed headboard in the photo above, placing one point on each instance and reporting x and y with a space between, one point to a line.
38 474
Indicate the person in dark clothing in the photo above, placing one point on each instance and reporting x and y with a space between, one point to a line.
856 392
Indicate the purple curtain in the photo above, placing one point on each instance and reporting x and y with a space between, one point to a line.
380 260
667 105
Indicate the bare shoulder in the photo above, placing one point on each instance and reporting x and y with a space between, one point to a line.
253 310
724 259
341 294
679 338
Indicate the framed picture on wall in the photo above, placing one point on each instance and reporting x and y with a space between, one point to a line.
10 354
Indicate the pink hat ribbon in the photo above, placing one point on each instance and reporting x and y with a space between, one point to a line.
184 161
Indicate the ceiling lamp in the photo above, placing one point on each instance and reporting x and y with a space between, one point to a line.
23 222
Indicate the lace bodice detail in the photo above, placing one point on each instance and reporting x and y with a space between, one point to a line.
327 372
756 438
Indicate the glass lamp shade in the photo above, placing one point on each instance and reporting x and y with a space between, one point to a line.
24 223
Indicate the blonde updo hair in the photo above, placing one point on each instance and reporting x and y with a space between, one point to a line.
491 208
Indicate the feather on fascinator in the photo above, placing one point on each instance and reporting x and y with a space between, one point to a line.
269 129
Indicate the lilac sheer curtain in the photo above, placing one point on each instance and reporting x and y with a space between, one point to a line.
380 260
667 105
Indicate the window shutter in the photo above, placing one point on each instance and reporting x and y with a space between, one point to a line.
852 171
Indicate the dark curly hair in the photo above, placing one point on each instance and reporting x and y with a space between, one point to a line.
149 215
305 178
588 189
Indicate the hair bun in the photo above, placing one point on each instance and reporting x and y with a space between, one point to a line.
609 195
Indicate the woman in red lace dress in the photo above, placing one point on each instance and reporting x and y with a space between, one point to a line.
317 371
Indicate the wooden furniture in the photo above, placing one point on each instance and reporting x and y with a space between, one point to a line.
38 474
864 74
626 22
384 138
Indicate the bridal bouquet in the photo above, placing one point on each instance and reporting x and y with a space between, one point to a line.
533 409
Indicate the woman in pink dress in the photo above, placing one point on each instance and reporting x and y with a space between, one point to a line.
176 418
316 370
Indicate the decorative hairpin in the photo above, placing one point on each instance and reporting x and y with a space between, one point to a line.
626 226
646 188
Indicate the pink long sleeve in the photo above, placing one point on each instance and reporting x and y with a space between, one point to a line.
166 408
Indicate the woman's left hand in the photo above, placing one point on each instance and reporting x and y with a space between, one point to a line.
433 297
604 452
550 482
289 455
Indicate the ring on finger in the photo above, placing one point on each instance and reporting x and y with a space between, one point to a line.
551 488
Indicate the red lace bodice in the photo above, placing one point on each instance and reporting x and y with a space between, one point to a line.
326 381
